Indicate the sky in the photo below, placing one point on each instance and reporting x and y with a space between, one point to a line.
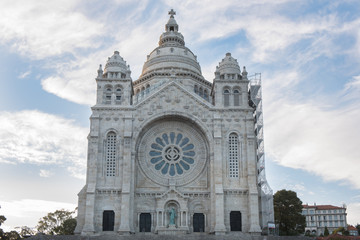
306 51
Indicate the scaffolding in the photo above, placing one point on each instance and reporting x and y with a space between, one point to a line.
266 193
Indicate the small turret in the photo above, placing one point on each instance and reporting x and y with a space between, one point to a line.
228 68
100 71
230 85
244 73
114 83
171 36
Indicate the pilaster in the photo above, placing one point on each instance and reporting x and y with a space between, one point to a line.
218 177
127 182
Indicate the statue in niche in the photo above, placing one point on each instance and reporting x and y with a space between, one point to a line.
172 214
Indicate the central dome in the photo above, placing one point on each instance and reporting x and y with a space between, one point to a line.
171 55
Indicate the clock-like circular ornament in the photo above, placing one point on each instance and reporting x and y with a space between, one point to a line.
172 151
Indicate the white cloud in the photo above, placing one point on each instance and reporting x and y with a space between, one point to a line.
352 89
44 139
353 213
21 212
50 32
45 173
40 28
307 134
24 74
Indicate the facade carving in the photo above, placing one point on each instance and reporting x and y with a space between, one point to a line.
171 152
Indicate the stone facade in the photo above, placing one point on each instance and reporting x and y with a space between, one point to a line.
172 140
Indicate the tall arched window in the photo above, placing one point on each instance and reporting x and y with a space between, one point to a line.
147 88
196 89
233 155
107 94
206 95
142 91
118 95
201 92
110 157
226 97
236 97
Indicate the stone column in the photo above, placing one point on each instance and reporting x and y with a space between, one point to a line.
250 151
93 145
126 223
89 214
218 177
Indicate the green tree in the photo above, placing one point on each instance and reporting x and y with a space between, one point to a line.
2 219
68 227
326 231
25 231
342 230
358 228
53 223
12 235
287 209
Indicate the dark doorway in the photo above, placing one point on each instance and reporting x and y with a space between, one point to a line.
199 222
145 222
108 220
235 221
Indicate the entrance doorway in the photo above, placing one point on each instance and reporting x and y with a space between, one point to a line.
108 220
145 222
235 221
199 222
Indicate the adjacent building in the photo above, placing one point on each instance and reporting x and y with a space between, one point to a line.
172 152
320 216
353 231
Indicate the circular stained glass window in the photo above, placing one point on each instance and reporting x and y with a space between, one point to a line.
171 151
172 154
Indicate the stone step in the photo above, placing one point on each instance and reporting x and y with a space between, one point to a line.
151 236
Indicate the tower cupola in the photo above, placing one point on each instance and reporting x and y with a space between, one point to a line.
228 68
116 67
171 36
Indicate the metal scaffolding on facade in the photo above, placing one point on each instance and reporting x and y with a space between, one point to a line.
266 196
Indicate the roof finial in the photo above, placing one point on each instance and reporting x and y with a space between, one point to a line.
172 13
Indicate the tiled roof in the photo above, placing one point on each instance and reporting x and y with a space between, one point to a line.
322 207
351 228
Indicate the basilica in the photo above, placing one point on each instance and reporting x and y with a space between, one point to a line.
173 153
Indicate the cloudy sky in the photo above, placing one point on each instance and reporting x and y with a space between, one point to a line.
307 53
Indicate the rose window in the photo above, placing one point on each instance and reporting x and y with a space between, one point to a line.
172 154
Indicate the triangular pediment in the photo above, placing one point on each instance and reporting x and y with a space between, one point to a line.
172 94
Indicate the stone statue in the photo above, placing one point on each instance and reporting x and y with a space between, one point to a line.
172 214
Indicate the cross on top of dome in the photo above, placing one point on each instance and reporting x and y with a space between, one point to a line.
172 13
171 25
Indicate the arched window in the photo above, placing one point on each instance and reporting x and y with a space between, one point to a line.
137 91
196 89
201 92
233 155
147 88
226 97
142 91
110 157
236 97
118 95
206 95
107 95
